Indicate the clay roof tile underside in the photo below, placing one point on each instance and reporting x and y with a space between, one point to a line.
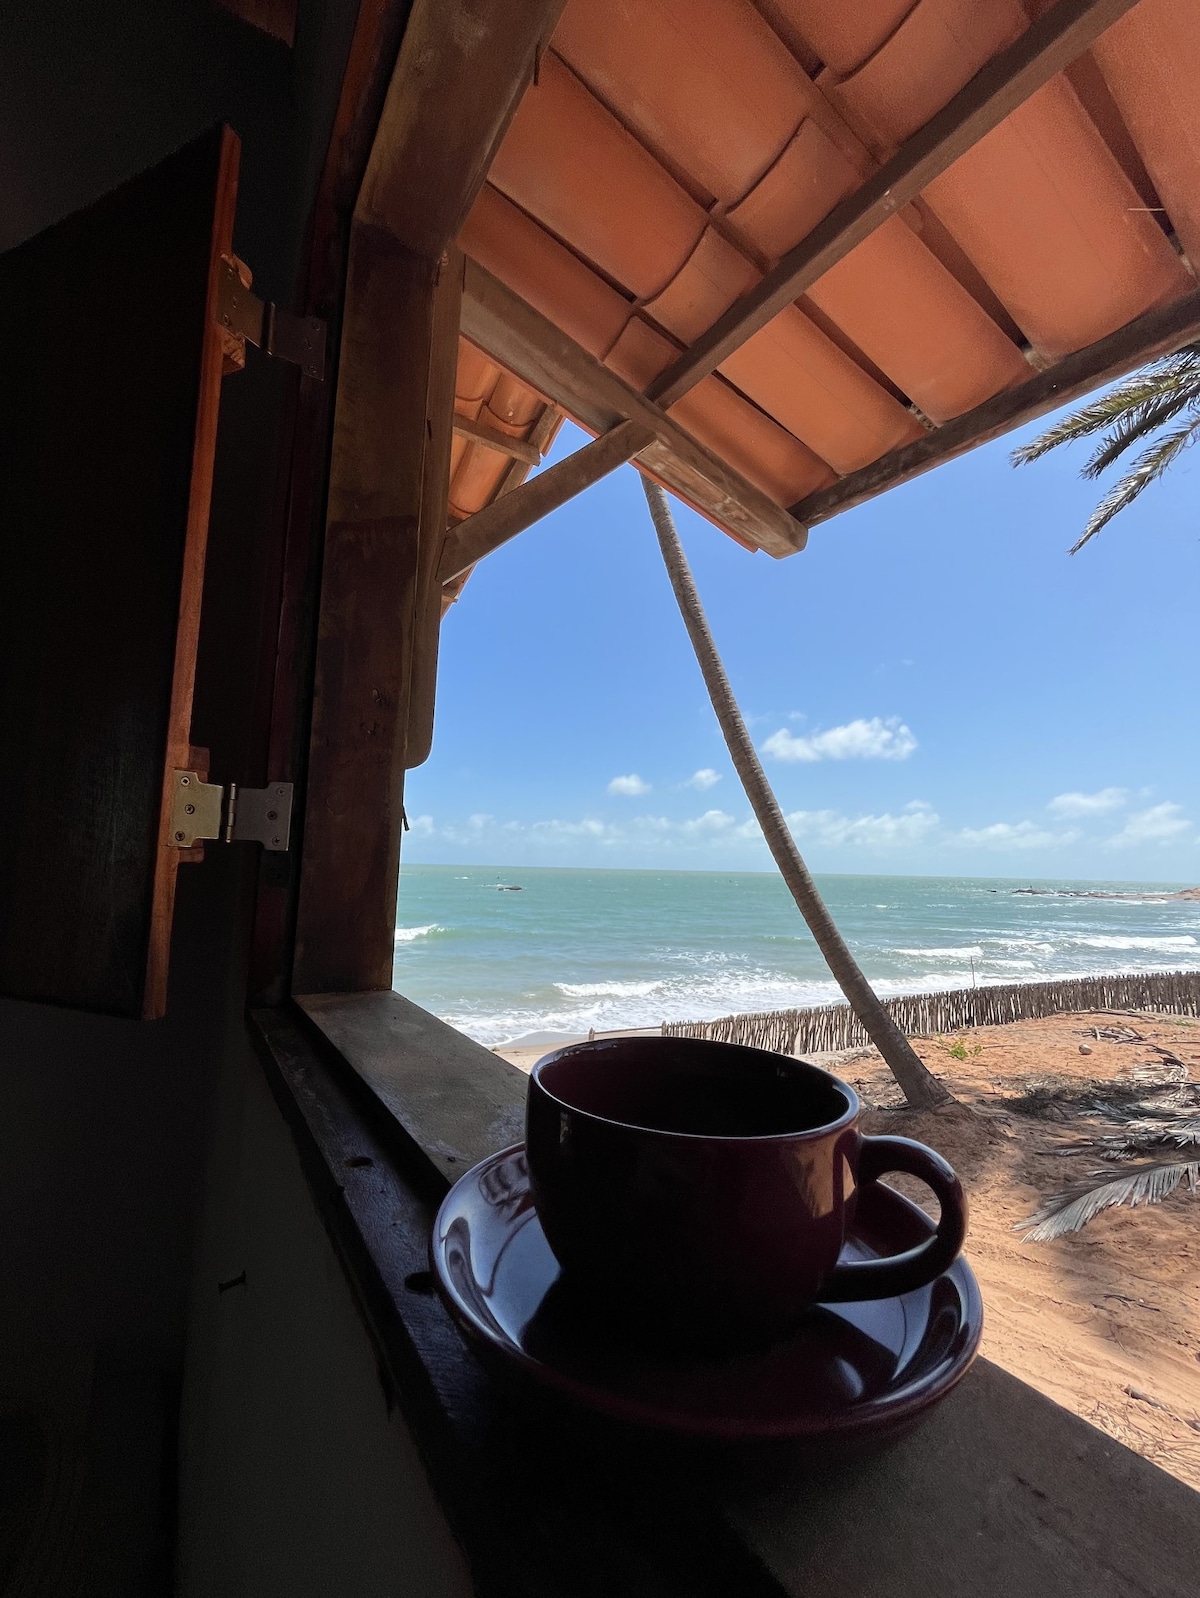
670 152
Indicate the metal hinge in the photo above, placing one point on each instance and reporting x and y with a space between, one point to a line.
202 810
244 317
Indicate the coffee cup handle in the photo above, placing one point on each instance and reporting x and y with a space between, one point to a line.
900 1273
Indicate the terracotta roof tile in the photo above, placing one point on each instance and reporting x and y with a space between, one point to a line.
487 394
771 457
804 381
938 47
1151 62
1042 208
670 151
803 186
843 33
541 270
918 324
713 276
569 163
717 55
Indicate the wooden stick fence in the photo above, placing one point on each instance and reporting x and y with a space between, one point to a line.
835 1026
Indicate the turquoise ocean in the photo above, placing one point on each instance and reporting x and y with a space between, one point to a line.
610 949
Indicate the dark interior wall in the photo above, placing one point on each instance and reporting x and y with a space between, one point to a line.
103 1124
297 1481
116 1137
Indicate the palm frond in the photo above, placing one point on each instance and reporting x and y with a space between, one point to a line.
1069 1212
1148 467
1083 423
1142 1137
1178 373
1138 423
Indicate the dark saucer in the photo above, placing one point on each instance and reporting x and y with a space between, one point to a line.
848 1371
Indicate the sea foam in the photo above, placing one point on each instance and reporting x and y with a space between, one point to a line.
611 950
1167 945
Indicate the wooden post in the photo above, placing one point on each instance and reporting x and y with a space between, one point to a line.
460 72
420 684
384 442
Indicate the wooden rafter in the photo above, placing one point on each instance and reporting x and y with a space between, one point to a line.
512 513
462 68
1052 42
529 345
519 449
541 436
1154 334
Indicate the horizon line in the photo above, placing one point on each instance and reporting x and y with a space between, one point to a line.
715 871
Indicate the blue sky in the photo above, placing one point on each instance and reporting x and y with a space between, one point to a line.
933 684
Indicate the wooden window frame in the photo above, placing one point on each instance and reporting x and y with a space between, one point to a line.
450 98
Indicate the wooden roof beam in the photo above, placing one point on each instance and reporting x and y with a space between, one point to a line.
541 436
1051 43
519 449
1156 333
512 513
462 68
529 345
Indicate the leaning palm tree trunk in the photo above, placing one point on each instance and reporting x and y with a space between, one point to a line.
921 1089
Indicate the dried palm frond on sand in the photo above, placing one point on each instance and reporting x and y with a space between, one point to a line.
1148 1185
1144 1118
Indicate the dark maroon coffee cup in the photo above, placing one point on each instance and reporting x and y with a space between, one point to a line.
713 1185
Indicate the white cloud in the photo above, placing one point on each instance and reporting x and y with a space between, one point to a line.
704 779
711 821
916 823
878 739
1088 804
588 828
1006 835
1163 823
631 787
471 831
913 825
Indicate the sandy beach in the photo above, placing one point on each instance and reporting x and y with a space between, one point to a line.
1105 1321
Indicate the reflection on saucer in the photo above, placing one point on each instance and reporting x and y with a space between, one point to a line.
854 1369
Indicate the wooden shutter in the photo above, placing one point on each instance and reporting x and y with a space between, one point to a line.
110 375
